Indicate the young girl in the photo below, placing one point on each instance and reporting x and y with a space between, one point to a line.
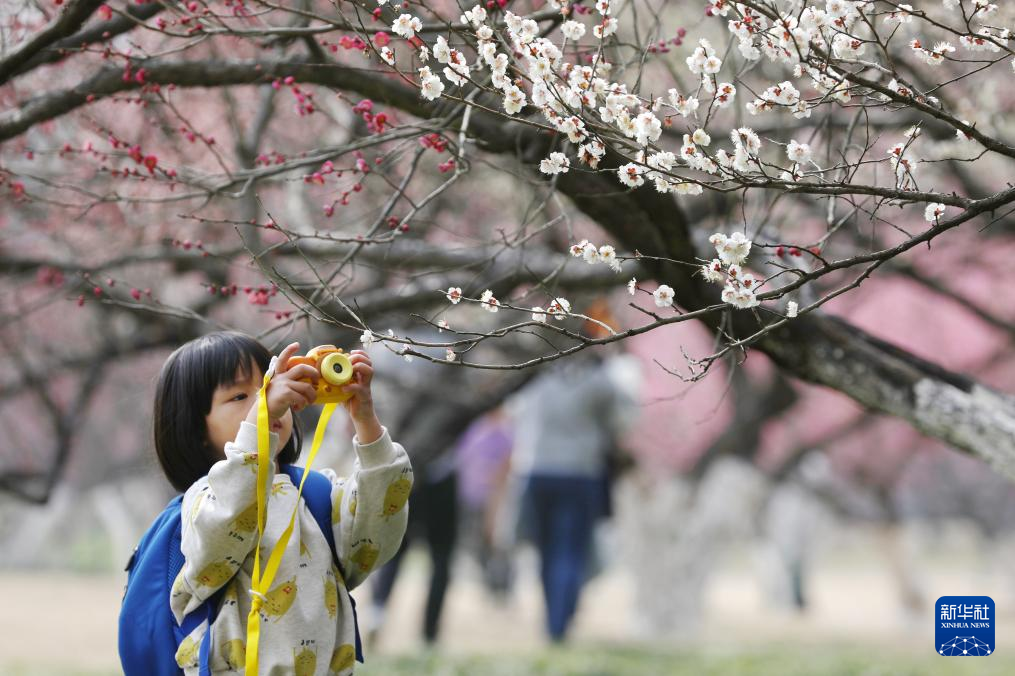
206 440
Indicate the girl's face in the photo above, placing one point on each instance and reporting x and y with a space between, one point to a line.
230 405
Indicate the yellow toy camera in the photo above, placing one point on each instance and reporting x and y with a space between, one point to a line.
335 368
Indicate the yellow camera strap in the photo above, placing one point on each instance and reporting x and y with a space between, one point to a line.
260 584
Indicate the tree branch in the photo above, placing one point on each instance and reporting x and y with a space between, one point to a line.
65 23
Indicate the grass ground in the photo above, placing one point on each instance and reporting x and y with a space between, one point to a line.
782 660
854 626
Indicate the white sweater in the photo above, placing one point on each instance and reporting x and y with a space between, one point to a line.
307 622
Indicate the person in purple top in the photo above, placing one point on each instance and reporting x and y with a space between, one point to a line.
483 457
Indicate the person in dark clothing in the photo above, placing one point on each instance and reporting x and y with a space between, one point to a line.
433 516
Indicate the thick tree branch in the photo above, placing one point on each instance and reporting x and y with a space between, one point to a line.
100 32
65 23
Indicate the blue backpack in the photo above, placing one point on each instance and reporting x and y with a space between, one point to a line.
149 635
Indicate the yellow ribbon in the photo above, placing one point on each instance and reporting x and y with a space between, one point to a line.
261 584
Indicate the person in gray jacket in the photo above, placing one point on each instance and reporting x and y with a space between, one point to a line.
567 428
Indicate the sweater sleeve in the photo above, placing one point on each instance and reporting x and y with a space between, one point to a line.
219 521
370 507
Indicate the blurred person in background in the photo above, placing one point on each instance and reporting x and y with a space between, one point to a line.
433 514
568 427
484 462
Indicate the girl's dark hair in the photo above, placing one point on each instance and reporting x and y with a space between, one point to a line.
183 398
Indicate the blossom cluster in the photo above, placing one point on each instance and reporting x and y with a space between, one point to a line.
558 308
581 99
739 287
593 254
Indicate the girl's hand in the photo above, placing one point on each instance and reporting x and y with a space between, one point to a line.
288 387
361 405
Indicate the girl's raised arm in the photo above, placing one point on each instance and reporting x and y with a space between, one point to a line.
369 508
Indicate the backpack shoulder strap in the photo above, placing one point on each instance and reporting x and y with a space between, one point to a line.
317 495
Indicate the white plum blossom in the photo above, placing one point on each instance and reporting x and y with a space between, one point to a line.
648 128
578 250
902 14
724 95
732 250
430 85
487 52
591 153
746 138
574 128
934 212
791 309
664 160
663 296
406 26
441 325
455 75
783 95
488 302
701 137
933 57
527 32
979 43
514 100
714 272
513 21
556 163
540 70
632 286
454 295
739 297
559 308
387 55
703 60
683 106
631 175
475 16
449 355
904 163
899 88
605 29
847 11
798 152
537 314
441 50
573 30
719 7
367 338
961 135
847 47
608 255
